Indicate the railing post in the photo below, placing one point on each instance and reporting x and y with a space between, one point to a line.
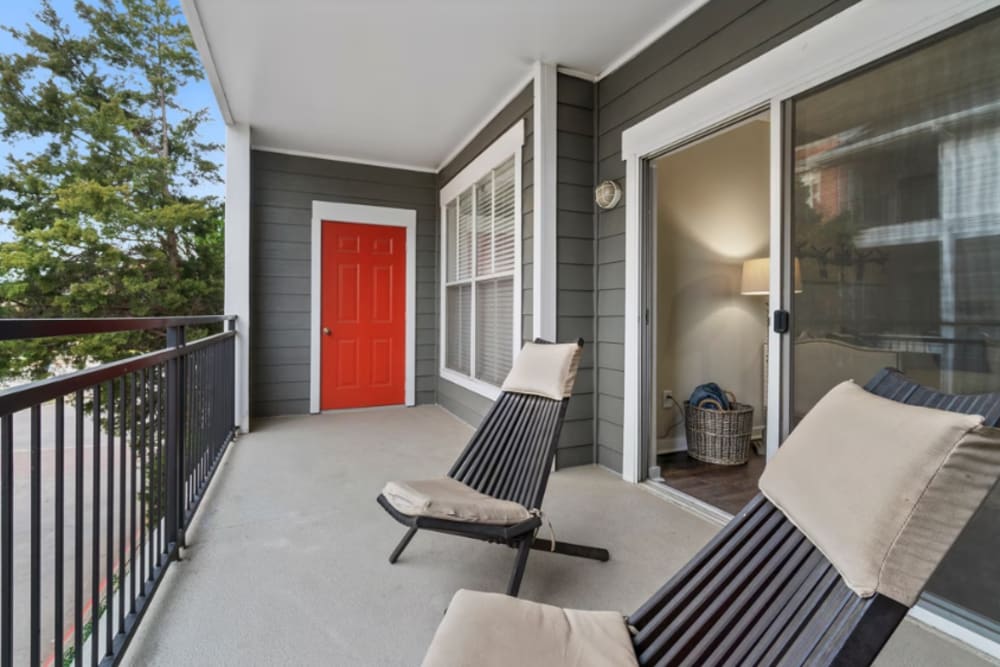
175 439
233 376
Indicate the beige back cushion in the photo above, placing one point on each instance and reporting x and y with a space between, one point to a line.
882 488
543 369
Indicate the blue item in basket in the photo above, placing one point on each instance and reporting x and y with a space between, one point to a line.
711 395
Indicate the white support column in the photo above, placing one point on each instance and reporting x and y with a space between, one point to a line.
237 290
543 305
632 463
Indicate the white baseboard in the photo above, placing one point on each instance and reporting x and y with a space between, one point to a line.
669 445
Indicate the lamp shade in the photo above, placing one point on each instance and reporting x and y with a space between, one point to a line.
756 277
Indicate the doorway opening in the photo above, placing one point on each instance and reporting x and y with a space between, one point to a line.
710 213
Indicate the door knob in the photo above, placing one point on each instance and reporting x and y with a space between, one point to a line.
326 331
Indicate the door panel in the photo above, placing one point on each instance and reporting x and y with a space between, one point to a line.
348 290
382 296
363 316
381 362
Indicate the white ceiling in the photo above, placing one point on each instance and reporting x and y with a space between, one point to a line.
401 81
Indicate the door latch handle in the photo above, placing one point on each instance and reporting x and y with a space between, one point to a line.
326 331
781 321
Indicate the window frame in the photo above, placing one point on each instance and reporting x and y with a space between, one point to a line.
508 145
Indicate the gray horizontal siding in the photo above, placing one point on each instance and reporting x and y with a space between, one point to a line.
716 39
284 188
468 405
575 257
528 217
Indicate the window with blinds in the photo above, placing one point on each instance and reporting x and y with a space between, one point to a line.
480 249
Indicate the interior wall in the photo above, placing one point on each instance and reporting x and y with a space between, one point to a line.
712 213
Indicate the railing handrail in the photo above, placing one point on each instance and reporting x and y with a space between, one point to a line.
32 393
21 328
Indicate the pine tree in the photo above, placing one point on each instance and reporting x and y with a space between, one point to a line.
104 207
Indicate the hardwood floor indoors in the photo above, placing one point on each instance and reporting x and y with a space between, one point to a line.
727 487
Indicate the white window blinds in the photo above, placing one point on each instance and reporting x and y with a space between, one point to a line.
481 251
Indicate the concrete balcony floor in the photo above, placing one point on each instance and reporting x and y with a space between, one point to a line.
287 559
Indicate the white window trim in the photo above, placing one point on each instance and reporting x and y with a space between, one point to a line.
510 143
501 149
362 215
851 39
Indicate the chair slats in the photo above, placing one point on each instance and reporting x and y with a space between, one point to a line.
729 622
798 576
890 383
510 455
800 604
521 466
519 443
703 566
760 593
712 609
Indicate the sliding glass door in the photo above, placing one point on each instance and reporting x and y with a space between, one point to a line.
895 222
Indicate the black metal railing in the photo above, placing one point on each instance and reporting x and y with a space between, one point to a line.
139 440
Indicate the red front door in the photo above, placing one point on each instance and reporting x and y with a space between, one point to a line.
363 316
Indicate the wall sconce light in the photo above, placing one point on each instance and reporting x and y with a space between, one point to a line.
607 195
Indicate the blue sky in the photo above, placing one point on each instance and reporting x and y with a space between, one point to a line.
18 13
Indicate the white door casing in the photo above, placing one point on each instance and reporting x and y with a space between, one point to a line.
365 215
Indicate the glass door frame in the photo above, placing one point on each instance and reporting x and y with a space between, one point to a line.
650 285
857 37
848 41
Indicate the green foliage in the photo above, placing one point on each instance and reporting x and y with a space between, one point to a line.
104 208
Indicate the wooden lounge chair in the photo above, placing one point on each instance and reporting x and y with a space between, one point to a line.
761 592
494 490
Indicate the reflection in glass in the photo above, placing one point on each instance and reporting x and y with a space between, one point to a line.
896 224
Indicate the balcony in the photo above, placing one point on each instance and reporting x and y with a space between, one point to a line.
292 543
286 562
269 548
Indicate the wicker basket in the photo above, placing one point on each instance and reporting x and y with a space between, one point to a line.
719 436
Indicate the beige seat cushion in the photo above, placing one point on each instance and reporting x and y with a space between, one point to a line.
882 488
449 499
544 369
493 630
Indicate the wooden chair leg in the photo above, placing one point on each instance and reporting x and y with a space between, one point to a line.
394 556
570 549
523 549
